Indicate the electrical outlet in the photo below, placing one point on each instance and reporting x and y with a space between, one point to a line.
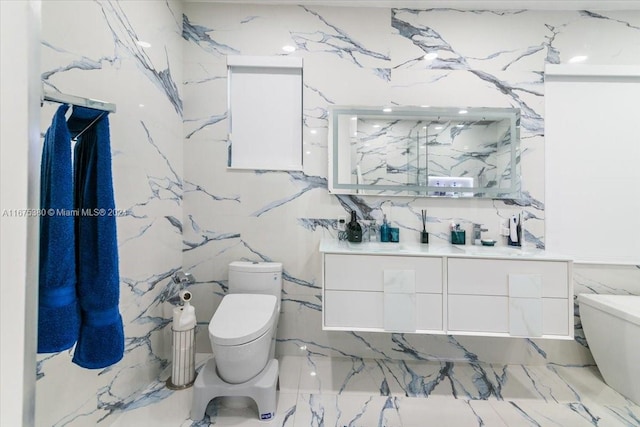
342 223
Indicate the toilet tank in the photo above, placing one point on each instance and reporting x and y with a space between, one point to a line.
255 278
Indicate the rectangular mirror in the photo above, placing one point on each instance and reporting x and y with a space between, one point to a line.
425 152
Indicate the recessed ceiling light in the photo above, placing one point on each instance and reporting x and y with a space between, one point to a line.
143 43
578 58
430 56
387 110
462 112
289 48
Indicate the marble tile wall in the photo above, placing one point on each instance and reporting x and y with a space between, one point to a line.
373 56
89 49
186 210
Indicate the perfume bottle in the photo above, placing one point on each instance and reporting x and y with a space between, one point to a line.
354 231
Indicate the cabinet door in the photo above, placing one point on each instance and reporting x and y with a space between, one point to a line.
468 276
429 312
478 313
366 272
555 317
353 309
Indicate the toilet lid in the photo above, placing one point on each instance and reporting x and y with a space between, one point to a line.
242 318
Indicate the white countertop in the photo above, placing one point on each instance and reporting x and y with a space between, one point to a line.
416 249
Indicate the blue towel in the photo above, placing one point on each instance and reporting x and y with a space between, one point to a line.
101 337
58 311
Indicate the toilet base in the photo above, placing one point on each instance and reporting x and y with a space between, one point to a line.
261 388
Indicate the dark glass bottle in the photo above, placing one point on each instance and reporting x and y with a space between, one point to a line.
354 231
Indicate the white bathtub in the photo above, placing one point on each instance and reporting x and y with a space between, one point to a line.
611 325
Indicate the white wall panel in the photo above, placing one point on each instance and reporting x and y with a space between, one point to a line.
265 109
592 158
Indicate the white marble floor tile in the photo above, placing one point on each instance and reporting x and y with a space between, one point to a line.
588 383
169 412
456 380
445 411
341 376
322 391
346 410
289 373
542 414
540 382
608 415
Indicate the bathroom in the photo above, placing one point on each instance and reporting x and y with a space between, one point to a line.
187 211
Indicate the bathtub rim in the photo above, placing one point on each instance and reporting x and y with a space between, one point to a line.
625 307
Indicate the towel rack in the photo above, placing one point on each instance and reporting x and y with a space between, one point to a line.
79 101
62 98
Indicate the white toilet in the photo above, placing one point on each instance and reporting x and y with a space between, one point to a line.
242 333
243 327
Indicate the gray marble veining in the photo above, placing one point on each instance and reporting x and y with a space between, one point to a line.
185 210
317 391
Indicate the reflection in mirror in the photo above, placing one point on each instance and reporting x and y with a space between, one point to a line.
434 152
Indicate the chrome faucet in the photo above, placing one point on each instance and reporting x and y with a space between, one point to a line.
477 233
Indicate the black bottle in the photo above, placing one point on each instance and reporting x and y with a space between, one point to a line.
354 231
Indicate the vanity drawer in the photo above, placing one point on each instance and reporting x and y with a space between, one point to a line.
555 317
429 312
355 309
366 272
477 313
491 277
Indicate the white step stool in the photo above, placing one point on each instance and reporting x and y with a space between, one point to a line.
261 388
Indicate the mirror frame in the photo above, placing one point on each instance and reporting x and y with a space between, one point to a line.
426 113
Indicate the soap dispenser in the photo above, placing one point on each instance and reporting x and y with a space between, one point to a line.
384 229
515 230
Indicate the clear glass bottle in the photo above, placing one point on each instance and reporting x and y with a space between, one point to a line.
373 231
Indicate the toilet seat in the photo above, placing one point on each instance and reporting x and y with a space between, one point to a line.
241 318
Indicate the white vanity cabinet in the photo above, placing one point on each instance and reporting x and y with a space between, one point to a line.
446 290
529 298
382 292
